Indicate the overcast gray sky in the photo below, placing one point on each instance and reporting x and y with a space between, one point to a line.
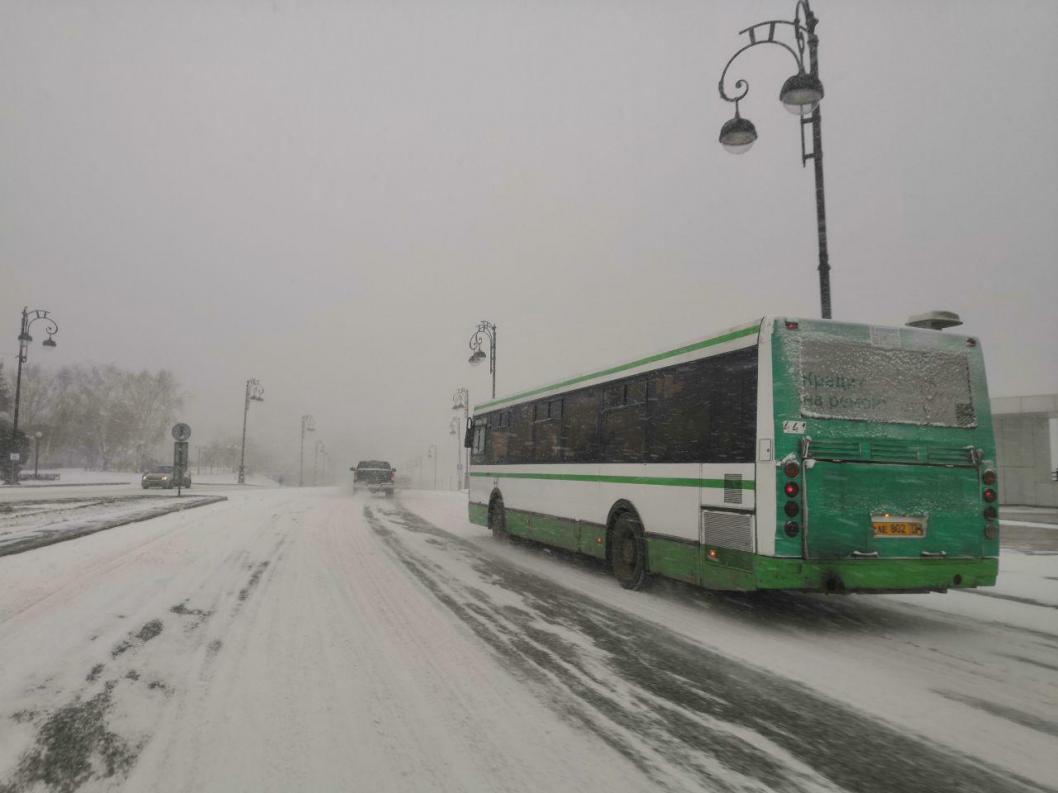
329 195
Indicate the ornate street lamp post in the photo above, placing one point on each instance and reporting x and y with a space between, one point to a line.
800 94
308 424
486 330
461 401
254 393
24 339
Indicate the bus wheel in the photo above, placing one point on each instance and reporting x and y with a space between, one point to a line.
628 552
498 518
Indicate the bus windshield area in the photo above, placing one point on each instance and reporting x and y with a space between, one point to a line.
862 382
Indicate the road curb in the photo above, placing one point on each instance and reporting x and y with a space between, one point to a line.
33 543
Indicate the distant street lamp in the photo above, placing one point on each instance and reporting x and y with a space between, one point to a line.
308 424
461 401
36 454
254 393
320 449
486 330
800 94
431 453
24 339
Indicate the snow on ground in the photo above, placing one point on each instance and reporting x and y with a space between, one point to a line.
308 640
32 523
80 476
898 656
266 643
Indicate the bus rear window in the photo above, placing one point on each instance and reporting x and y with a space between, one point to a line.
861 382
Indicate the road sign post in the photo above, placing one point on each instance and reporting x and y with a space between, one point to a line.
181 433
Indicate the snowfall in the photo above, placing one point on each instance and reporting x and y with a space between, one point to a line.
283 639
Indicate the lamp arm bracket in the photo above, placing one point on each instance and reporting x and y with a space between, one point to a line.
484 331
742 86
51 327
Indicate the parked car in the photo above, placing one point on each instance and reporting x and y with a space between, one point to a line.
162 476
375 476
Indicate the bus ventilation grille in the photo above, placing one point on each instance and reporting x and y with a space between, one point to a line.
732 488
950 456
727 530
886 451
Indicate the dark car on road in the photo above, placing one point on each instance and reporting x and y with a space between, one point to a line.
374 476
162 476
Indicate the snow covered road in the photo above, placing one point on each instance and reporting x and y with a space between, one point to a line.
309 640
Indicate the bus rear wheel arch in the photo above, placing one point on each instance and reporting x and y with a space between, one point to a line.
626 547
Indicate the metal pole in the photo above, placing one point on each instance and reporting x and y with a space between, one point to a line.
36 457
242 454
817 162
466 451
492 358
301 471
22 343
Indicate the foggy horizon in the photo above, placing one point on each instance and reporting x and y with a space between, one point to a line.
329 198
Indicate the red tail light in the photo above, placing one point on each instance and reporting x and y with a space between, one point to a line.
392 476
791 469
791 508
989 495
989 477
792 489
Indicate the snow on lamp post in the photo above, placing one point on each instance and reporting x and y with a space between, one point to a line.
800 94
308 424
431 454
453 430
254 393
461 401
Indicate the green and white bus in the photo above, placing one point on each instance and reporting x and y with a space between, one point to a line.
783 454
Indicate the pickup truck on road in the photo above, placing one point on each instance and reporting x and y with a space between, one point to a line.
375 476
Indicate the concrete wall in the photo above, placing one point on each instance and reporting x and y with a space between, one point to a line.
1023 444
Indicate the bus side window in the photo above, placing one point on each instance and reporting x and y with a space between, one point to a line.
478 451
580 425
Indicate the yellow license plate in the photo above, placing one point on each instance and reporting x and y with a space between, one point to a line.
898 528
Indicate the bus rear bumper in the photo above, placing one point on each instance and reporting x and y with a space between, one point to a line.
874 575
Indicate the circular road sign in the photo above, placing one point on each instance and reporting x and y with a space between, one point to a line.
181 431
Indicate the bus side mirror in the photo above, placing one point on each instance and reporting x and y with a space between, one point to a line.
468 438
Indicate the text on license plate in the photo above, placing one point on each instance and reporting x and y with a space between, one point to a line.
901 527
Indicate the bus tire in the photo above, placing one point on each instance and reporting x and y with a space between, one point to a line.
498 518
628 551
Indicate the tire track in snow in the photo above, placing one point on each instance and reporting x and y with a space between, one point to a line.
679 711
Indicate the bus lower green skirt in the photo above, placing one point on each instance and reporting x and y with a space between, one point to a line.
727 569
875 575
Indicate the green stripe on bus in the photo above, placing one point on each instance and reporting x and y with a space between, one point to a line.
665 481
699 345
